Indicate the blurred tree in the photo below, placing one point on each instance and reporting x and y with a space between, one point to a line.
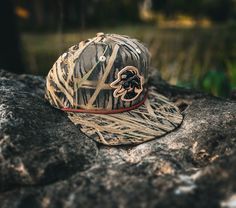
39 14
46 15
216 10
94 13
10 51
220 10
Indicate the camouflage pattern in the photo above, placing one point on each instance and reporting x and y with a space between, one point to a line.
81 77
102 76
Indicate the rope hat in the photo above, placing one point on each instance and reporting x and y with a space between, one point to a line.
102 84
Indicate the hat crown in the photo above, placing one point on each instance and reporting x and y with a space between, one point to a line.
108 72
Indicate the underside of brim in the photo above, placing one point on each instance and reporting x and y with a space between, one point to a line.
155 118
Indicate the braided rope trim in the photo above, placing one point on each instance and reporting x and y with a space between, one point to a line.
102 111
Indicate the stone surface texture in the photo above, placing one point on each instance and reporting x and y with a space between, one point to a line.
45 161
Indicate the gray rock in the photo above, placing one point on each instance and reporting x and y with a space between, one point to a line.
38 144
45 161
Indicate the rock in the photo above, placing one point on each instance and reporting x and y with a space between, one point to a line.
45 161
36 141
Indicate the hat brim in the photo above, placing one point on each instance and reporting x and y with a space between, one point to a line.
156 117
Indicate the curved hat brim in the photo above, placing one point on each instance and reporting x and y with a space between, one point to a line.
156 117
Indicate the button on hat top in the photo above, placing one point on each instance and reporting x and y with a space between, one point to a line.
105 74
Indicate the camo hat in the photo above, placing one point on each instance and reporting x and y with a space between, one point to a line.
102 84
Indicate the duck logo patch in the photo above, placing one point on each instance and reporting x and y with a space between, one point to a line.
128 85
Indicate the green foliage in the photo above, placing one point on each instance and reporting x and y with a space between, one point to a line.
231 69
216 83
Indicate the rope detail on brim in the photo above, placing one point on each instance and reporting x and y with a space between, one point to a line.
102 111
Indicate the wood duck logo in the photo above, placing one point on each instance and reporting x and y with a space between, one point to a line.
129 84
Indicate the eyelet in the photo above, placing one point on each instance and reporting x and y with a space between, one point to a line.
102 58
138 50
64 55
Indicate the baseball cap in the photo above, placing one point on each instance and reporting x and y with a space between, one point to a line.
102 84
